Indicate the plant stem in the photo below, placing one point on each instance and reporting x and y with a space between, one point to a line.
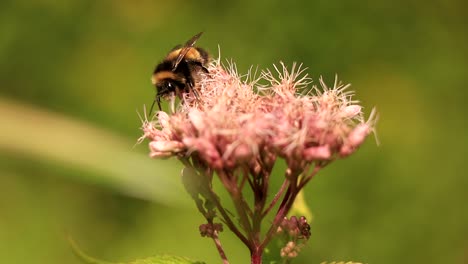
227 219
256 256
236 195
284 207
276 197
220 248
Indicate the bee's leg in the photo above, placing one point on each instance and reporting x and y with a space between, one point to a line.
195 92
191 86
190 83
198 64
194 65
202 67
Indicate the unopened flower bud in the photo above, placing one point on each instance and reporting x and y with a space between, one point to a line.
210 229
161 155
355 138
166 146
242 153
359 133
351 111
317 153
290 250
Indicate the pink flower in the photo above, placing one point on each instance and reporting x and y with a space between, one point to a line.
229 123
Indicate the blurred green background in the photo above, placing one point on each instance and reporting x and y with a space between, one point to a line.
74 73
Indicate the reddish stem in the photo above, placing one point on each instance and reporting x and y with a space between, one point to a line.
227 219
276 198
256 256
236 195
220 249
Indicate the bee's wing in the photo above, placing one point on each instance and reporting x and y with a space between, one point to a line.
189 44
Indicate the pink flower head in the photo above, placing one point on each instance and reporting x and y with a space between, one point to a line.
230 124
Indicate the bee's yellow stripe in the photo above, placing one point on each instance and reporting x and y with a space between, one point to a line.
192 54
157 77
173 55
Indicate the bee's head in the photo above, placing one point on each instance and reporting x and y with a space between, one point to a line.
165 87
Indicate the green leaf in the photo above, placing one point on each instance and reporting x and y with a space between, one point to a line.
85 258
43 135
301 208
162 259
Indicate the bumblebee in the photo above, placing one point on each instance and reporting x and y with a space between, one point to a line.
180 70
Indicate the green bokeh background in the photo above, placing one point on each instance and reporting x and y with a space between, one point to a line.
73 74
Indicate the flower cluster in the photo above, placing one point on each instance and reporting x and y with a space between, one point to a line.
237 127
231 125
296 232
